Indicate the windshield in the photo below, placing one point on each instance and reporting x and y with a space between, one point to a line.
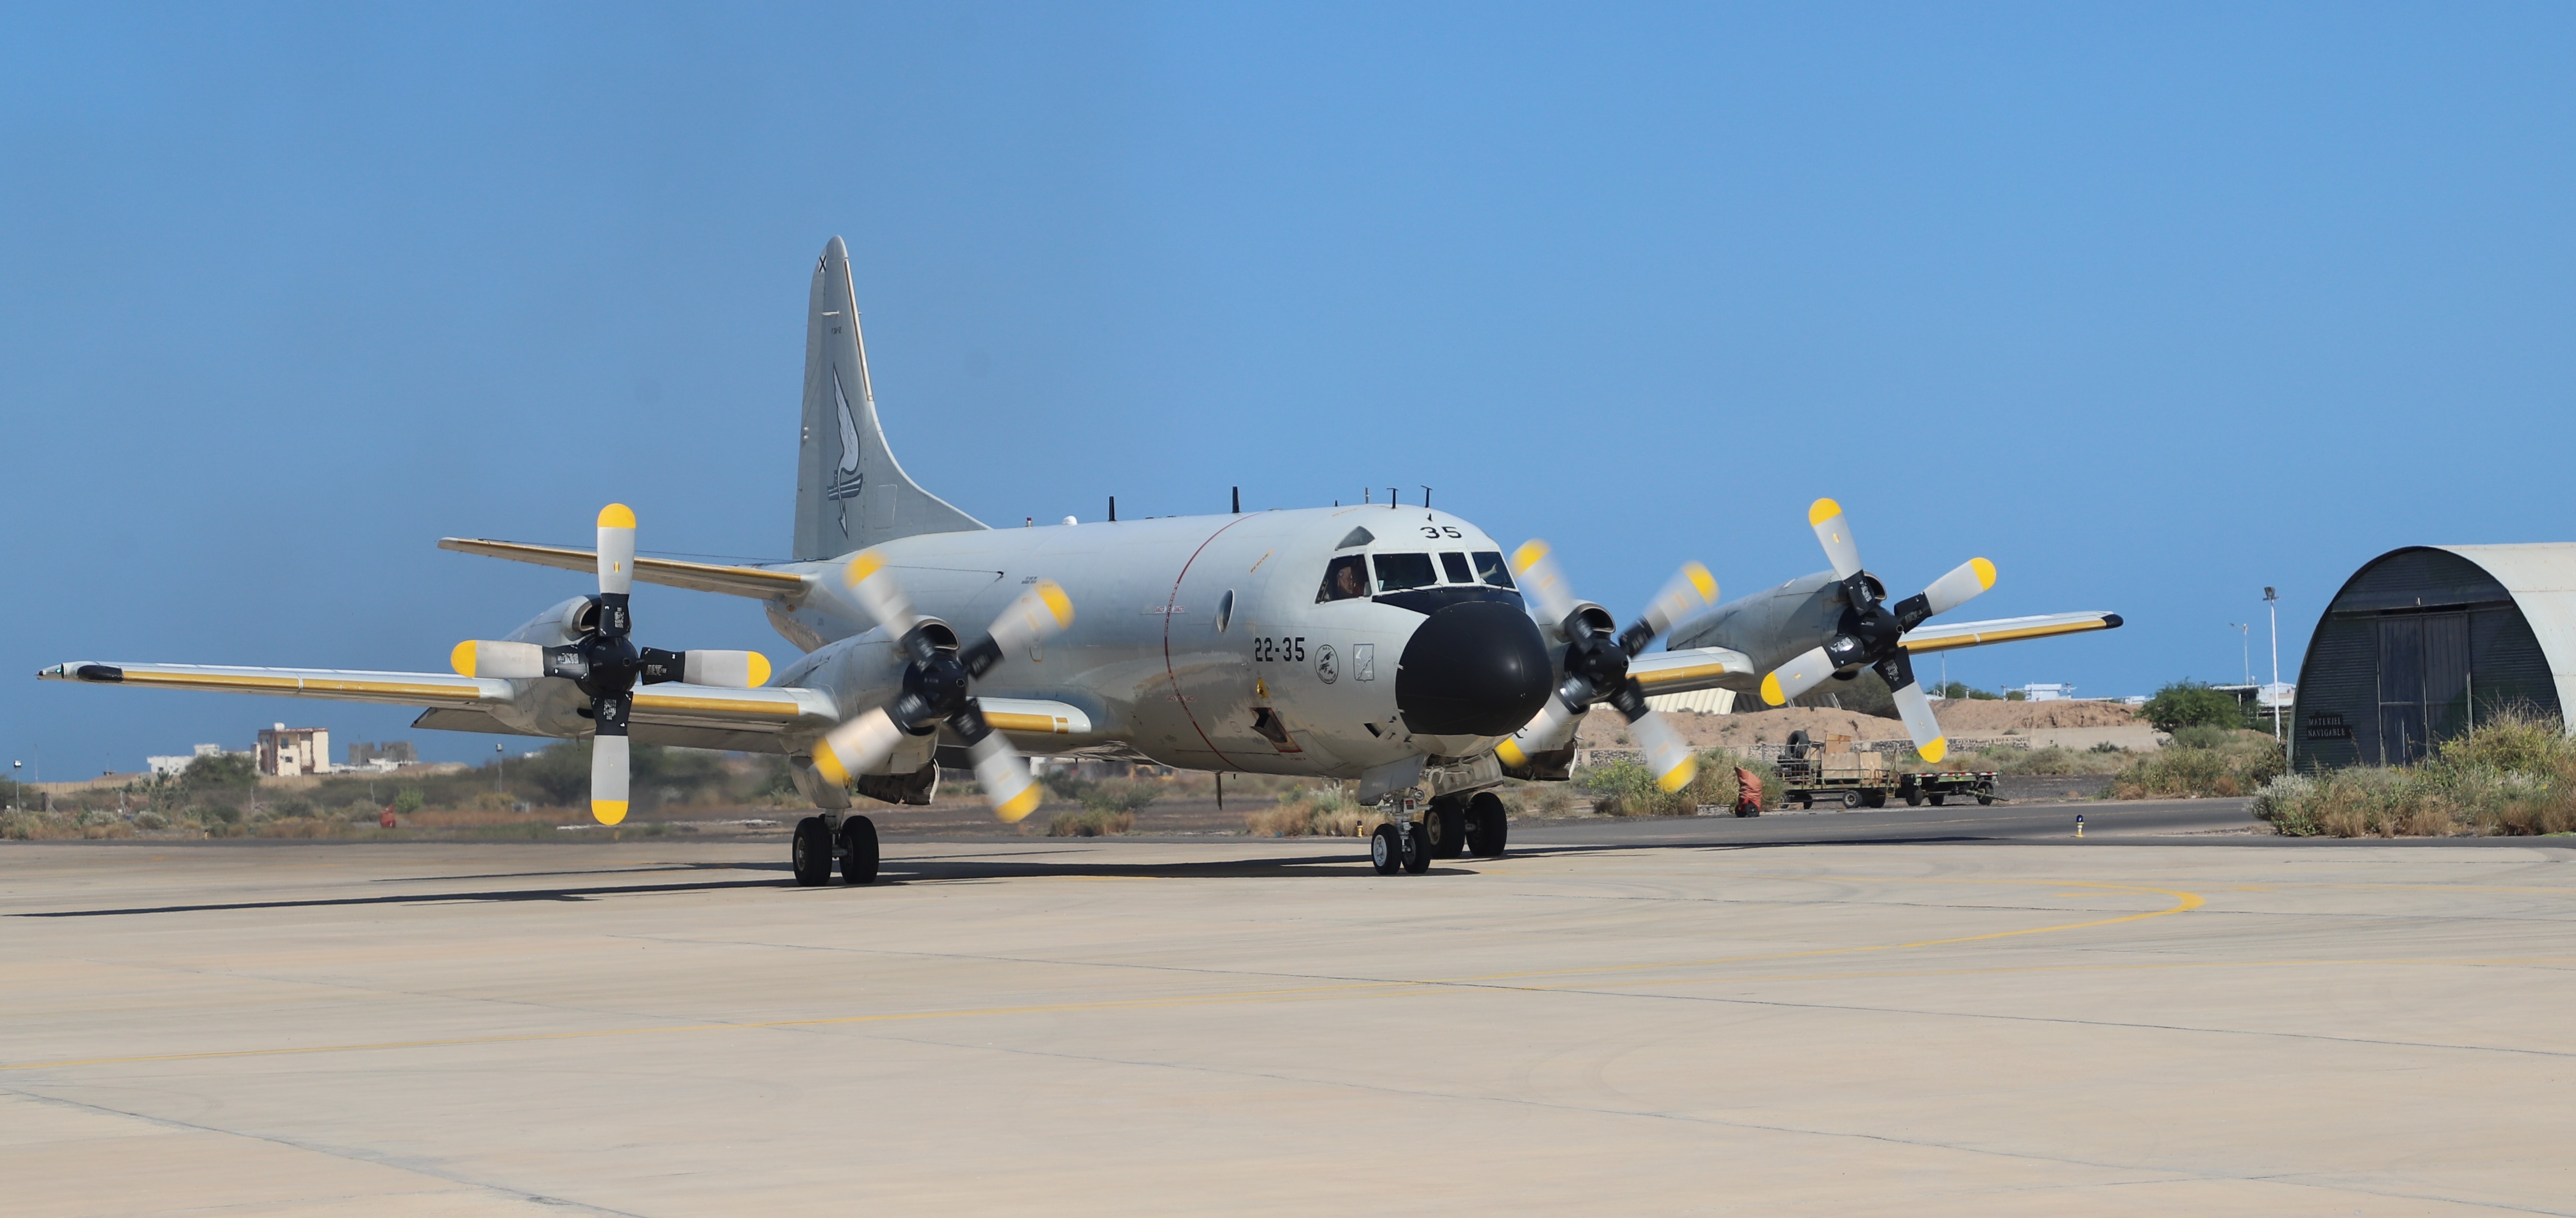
1454 565
1489 567
1344 579
1397 572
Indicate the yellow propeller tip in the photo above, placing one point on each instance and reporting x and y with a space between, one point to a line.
1823 510
462 658
617 516
1509 751
1771 695
1528 555
1703 581
1016 808
1985 572
608 811
865 564
829 766
1935 751
759 670
1052 595
1679 776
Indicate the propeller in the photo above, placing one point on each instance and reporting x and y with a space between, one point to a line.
1596 664
607 665
935 684
1868 634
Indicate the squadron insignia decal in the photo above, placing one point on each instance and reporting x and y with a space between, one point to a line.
846 478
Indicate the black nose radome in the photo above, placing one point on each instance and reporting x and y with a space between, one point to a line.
1473 669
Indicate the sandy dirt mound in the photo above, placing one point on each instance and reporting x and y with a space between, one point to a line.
1605 728
1973 716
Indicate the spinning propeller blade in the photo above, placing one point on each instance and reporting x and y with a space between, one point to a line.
1596 666
1871 633
607 665
867 739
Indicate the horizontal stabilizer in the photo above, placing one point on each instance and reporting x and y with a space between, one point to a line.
758 583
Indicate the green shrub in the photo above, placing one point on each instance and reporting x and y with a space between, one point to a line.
2237 764
409 800
2189 703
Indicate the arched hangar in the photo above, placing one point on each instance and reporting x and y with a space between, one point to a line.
2423 642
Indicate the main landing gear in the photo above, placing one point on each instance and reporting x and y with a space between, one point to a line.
1450 826
820 841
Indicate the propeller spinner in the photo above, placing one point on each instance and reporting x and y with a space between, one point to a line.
935 685
1870 631
607 666
1596 664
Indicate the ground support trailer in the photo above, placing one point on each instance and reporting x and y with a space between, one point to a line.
1946 785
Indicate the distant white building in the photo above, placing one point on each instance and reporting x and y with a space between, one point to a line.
289 752
1705 701
167 767
2043 693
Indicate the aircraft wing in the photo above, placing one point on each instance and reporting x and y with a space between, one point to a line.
484 703
1929 638
340 685
1679 672
759 583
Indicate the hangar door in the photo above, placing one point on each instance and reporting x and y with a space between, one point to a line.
2423 682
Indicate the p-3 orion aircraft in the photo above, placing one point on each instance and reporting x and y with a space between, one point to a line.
1392 646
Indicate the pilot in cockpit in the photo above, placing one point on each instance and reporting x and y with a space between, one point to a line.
1346 579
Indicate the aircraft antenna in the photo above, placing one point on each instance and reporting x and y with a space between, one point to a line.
1238 501
1113 509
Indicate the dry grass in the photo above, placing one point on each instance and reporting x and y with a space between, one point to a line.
1308 812
1091 822
1625 788
2514 775
2202 763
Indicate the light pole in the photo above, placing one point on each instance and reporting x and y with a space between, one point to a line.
2272 603
500 763
2245 646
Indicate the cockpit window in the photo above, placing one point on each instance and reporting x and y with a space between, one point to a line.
1490 568
1454 565
1356 537
1344 579
1397 572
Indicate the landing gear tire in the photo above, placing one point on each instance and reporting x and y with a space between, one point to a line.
1488 825
858 850
1386 854
811 853
1446 821
1420 860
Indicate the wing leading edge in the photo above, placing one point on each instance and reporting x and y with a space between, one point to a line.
759 583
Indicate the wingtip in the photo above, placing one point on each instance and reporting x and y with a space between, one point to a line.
2110 621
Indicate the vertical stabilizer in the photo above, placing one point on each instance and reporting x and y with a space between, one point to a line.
850 493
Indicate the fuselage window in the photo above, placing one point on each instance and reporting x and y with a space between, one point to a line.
1344 579
1455 565
1397 572
1489 567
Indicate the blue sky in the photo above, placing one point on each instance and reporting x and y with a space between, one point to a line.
2152 308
